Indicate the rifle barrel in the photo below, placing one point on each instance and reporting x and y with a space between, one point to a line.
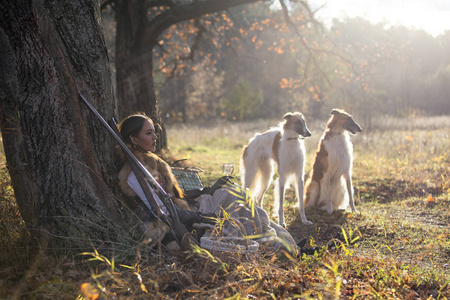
124 147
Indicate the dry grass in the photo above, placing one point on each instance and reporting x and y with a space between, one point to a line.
398 247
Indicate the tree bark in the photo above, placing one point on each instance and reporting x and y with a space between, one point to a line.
59 157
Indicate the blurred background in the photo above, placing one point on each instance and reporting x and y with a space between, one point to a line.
372 58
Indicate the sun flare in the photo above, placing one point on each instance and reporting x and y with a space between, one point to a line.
431 16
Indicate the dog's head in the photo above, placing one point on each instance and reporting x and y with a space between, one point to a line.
296 121
340 120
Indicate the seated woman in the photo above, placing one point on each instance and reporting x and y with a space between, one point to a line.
138 133
239 217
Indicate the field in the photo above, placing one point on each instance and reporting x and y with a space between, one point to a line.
397 247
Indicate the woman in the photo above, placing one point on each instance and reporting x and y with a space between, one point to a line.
238 218
138 132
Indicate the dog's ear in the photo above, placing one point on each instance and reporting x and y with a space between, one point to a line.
287 116
335 111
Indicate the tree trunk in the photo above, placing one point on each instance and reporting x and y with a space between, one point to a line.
134 65
59 157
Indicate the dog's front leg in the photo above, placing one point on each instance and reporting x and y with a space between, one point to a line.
348 180
299 187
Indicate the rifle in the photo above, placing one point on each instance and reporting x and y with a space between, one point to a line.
182 235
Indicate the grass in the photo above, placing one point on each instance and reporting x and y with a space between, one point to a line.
397 247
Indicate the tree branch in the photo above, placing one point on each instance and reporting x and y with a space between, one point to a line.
198 38
318 26
195 46
156 3
186 12
311 51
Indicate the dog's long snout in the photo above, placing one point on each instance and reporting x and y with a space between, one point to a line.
301 128
352 126
306 132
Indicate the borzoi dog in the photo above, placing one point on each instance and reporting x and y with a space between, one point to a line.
330 185
283 146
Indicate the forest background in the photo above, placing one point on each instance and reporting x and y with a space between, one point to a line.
369 69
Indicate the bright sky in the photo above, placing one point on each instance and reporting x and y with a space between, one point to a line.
432 16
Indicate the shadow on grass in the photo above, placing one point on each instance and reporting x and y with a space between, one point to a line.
324 228
391 189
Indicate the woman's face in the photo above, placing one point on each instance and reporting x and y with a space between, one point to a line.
146 139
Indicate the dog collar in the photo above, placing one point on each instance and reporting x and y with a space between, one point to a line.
296 138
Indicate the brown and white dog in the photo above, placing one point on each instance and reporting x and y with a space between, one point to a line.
284 147
330 185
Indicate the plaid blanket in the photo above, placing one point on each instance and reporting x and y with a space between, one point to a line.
187 178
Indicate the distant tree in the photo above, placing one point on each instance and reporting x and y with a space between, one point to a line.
360 86
194 96
392 69
242 101
204 91
173 100
434 93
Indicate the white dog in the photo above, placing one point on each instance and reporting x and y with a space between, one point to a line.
330 185
282 146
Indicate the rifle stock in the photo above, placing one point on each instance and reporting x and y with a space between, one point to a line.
182 235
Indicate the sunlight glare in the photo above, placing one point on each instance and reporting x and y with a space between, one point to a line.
431 16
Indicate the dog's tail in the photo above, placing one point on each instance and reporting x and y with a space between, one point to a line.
251 174
242 166
249 169
312 192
